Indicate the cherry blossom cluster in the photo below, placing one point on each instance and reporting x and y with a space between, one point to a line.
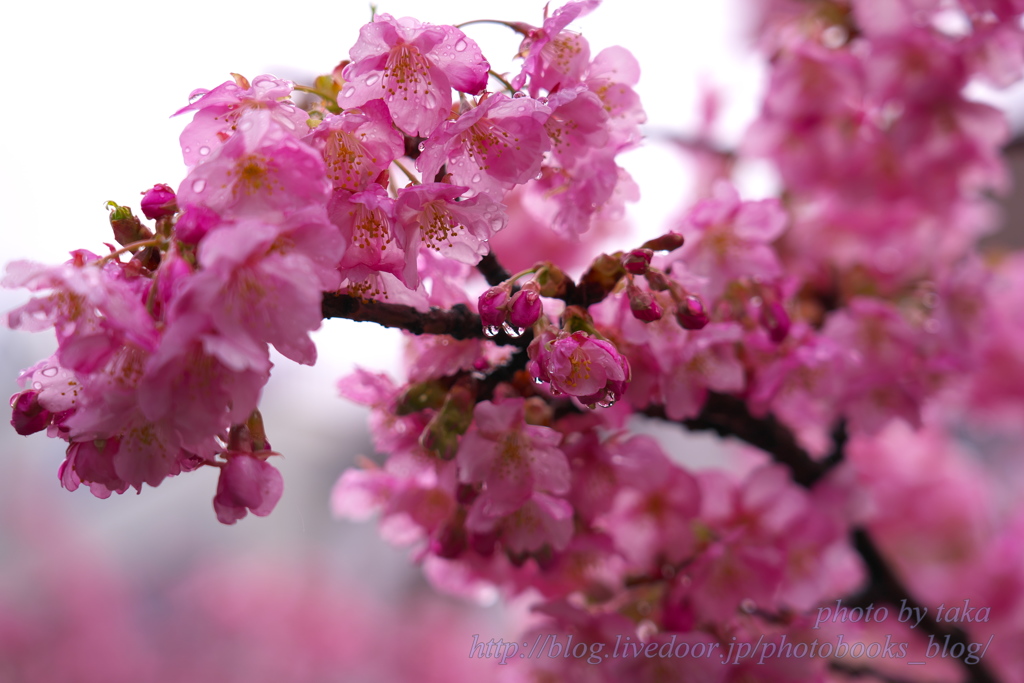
847 330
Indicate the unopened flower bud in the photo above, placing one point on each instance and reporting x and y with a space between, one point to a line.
525 307
667 242
127 228
553 282
159 202
658 281
691 314
637 261
643 305
602 276
27 415
493 306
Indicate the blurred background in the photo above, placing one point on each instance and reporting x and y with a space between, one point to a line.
151 587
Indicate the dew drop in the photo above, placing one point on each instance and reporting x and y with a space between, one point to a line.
204 150
476 178
606 402
514 332
198 185
430 101
372 80
347 92
491 331
519 95
49 372
186 150
538 380
37 385
460 46
422 146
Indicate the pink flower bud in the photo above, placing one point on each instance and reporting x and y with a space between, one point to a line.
525 307
159 202
27 416
246 483
643 305
493 306
637 261
691 314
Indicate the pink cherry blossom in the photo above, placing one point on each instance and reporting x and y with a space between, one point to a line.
579 365
555 57
357 145
727 239
490 148
263 169
219 113
413 67
510 458
458 230
375 240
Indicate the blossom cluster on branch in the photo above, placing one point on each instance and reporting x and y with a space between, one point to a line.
849 331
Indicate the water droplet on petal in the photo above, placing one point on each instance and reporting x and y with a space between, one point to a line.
204 150
49 372
372 79
430 101
491 331
476 178
606 403
460 46
422 146
538 380
348 92
198 185
37 385
186 150
519 95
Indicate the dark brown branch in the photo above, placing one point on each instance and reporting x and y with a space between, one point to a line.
492 271
885 586
729 416
459 322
